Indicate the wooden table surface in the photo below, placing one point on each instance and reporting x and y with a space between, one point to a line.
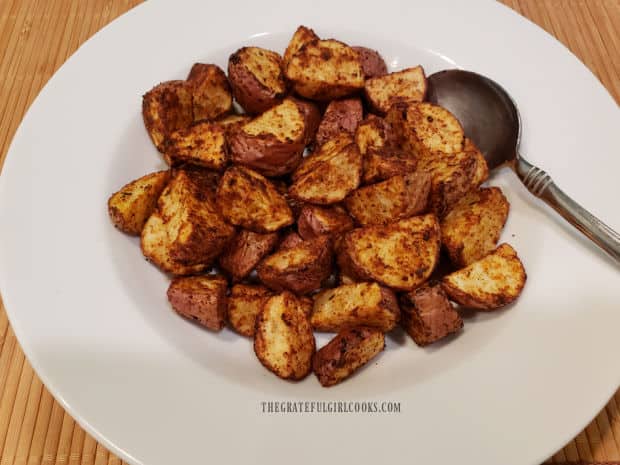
37 36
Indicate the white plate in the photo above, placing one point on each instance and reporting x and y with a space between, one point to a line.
92 315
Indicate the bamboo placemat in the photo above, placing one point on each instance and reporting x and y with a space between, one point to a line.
37 36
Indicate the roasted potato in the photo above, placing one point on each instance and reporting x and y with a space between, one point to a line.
340 116
273 142
256 78
292 239
200 298
301 37
245 251
233 123
397 198
373 64
490 283
408 85
373 133
481 173
201 144
425 128
328 175
352 305
428 316
244 304
346 353
384 164
401 255
186 232
315 221
166 108
130 207
249 200
283 340
301 268
472 227
211 93
324 70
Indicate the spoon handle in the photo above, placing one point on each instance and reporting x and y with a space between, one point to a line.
539 183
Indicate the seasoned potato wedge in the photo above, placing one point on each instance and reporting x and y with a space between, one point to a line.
283 340
340 116
472 227
245 251
315 221
244 304
373 133
248 199
273 142
328 175
352 305
346 353
300 268
201 144
428 316
408 85
324 70
401 255
373 64
301 37
211 93
130 207
186 232
481 173
200 298
425 128
391 200
386 163
166 108
256 78
490 283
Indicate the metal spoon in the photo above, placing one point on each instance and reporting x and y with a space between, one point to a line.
490 118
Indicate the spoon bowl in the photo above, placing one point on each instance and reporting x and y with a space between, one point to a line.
490 118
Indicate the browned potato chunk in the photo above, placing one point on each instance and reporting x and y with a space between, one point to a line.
201 144
472 227
428 316
325 70
425 129
244 304
356 304
397 198
130 207
166 108
245 251
401 255
301 268
384 164
200 298
346 353
408 85
186 232
256 78
292 239
315 221
373 63
248 199
481 173
373 133
283 341
232 123
490 283
340 116
301 37
211 95
273 142
328 175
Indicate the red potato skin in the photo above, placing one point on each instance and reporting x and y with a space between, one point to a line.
340 116
266 154
292 239
373 63
206 308
309 226
245 251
